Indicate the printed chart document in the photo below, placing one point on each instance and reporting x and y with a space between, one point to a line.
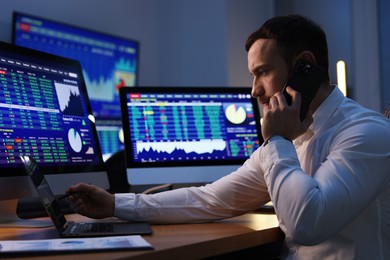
74 244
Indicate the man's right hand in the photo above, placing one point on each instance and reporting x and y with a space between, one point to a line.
91 201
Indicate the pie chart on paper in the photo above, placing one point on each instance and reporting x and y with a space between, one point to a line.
235 114
74 139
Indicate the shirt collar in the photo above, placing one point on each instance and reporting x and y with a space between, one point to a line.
326 109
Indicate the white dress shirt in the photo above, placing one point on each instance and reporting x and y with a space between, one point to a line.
330 188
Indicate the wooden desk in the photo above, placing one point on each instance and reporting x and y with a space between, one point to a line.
182 241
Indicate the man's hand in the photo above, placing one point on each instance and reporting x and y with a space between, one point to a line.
281 119
91 201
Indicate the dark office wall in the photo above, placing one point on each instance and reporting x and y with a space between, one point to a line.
183 42
127 18
354 32
202 42
334 16
192 42
186 42
366 55
243 17
384 32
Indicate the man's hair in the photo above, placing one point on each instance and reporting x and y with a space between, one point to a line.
294 34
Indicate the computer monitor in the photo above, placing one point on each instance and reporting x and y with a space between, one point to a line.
45 113
110 133
109 63
187 134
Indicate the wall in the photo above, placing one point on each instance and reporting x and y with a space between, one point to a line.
354 33
192 42
242 20
334 17
127 18
366 69
202 42
186 42
183 42
384 50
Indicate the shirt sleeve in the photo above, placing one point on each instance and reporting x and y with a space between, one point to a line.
237 193
311 207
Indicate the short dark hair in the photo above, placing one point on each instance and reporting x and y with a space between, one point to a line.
294 33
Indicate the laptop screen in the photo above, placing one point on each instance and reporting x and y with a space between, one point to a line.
188 126
45 193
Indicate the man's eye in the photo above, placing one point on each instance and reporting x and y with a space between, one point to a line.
261 72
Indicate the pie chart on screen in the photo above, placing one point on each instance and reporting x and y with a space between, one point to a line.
74 139
235 114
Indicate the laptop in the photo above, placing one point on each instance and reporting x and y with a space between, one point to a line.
187 135
76 229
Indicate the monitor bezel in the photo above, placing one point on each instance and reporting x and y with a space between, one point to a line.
130 163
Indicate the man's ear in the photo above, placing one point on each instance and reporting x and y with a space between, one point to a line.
306 55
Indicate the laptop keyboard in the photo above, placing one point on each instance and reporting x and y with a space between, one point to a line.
91 227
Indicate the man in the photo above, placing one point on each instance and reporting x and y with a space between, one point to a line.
328 176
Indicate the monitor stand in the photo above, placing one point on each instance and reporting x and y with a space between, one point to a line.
9 217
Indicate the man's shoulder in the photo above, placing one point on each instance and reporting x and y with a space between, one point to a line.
352 121
354 112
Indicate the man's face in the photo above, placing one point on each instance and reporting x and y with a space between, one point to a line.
268 68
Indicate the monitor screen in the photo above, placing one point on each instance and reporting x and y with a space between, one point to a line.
110 136
45 113
109 62
187 134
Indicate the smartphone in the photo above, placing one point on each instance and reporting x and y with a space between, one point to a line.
306 78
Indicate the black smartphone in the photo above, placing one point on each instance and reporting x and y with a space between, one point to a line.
306 78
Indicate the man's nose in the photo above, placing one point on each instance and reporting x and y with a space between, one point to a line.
256 89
